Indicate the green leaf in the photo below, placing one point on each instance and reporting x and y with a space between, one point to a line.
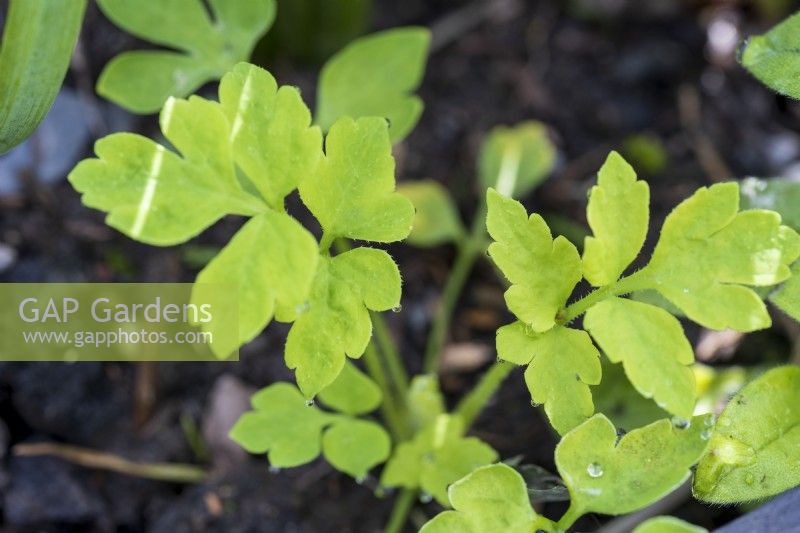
352 194
668 524
437 220
516 160
774 58
787 296
425 401
352 392
376 76
616 398
562 363
652 347
156 196
355 446
271 261
754 452
142 81
273 142
708 251
437 456
776 194
542 271
491 498
38 40
293 432
618 214
610 475
337 320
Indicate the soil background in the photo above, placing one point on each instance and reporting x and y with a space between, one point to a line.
595 71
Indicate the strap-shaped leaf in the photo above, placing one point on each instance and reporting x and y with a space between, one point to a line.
272 261
562 363
337 321
375 76
352 392
668 524
293 433
609 475
754 452
618 214
425 401
515 160
774 58
141 81
492 498
708 251
273 141
436 220
437 456
542 271
652 347
353 193
156 196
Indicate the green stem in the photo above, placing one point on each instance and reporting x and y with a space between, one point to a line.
569 518
394 362
402 506
637 281
473 403
469 249
389 408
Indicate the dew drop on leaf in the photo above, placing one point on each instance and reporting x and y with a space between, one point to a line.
680 423
594 470
310 403
706 434
274 469
397 308
749 479
425 497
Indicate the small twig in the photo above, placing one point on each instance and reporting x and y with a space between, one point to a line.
690 110
144 392
629 522
172 472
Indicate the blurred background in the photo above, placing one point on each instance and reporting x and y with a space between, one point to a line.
655 79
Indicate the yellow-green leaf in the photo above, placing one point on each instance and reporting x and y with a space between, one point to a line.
352 392
436 220
354 446
668 524
774 58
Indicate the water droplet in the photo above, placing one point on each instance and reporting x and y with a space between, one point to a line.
709 421
594 470
724 421
397 308
361 479
274 469
425 497
301 308
680 423
706 434
749 479
310 403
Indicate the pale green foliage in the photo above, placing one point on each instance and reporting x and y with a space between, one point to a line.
562 363
492 498
618 214
425 401
668 524
337 320
754 452
776 194
436 220
516 160
352 194
542 270
352 392
708 251
774 58
610 475
616 398
141 81
652 347
376 76
436 457
787 296
293 433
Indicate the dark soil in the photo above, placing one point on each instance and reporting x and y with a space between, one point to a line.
595 71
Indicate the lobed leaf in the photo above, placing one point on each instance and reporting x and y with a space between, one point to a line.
516 160
652 347
375 76
781 195
611 475
754 452
436 457
668 524
271 260
352 195
562 363
618 214
293 433
542 271
157 196
337 322
352 392
774 58
491 498
787 296
436 220
708 251
142 81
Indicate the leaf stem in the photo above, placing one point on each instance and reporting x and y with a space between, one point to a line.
637 281
473 403
388 347
469 249
392 414
402 506
569 518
